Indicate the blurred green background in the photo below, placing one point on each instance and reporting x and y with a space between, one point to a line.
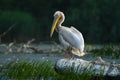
98 20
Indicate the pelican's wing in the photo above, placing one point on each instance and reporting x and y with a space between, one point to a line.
74 30
63 42
73 37
79 36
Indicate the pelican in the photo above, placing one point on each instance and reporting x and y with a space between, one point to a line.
71 39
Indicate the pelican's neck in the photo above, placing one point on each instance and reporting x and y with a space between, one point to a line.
61 21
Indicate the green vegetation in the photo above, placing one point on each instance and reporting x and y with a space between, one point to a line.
107 50
98 20
24 21
36 71
27 70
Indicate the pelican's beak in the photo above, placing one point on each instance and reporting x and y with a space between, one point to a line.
54 25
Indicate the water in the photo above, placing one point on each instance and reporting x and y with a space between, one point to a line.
6 58
29 57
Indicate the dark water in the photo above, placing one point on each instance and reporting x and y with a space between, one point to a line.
29 57
6 58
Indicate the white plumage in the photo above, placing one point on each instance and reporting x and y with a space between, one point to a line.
68 37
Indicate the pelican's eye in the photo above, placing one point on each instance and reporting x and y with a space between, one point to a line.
55 16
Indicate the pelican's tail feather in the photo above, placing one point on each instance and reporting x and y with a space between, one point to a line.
78 52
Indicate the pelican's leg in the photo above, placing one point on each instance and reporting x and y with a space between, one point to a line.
70 50
66 53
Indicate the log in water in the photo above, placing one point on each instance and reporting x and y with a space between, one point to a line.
96 67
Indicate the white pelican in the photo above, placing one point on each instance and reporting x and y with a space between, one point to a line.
70 38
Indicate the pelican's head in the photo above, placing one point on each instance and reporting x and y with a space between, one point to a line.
58 20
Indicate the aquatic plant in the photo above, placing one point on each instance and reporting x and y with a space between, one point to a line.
107 50
36 70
